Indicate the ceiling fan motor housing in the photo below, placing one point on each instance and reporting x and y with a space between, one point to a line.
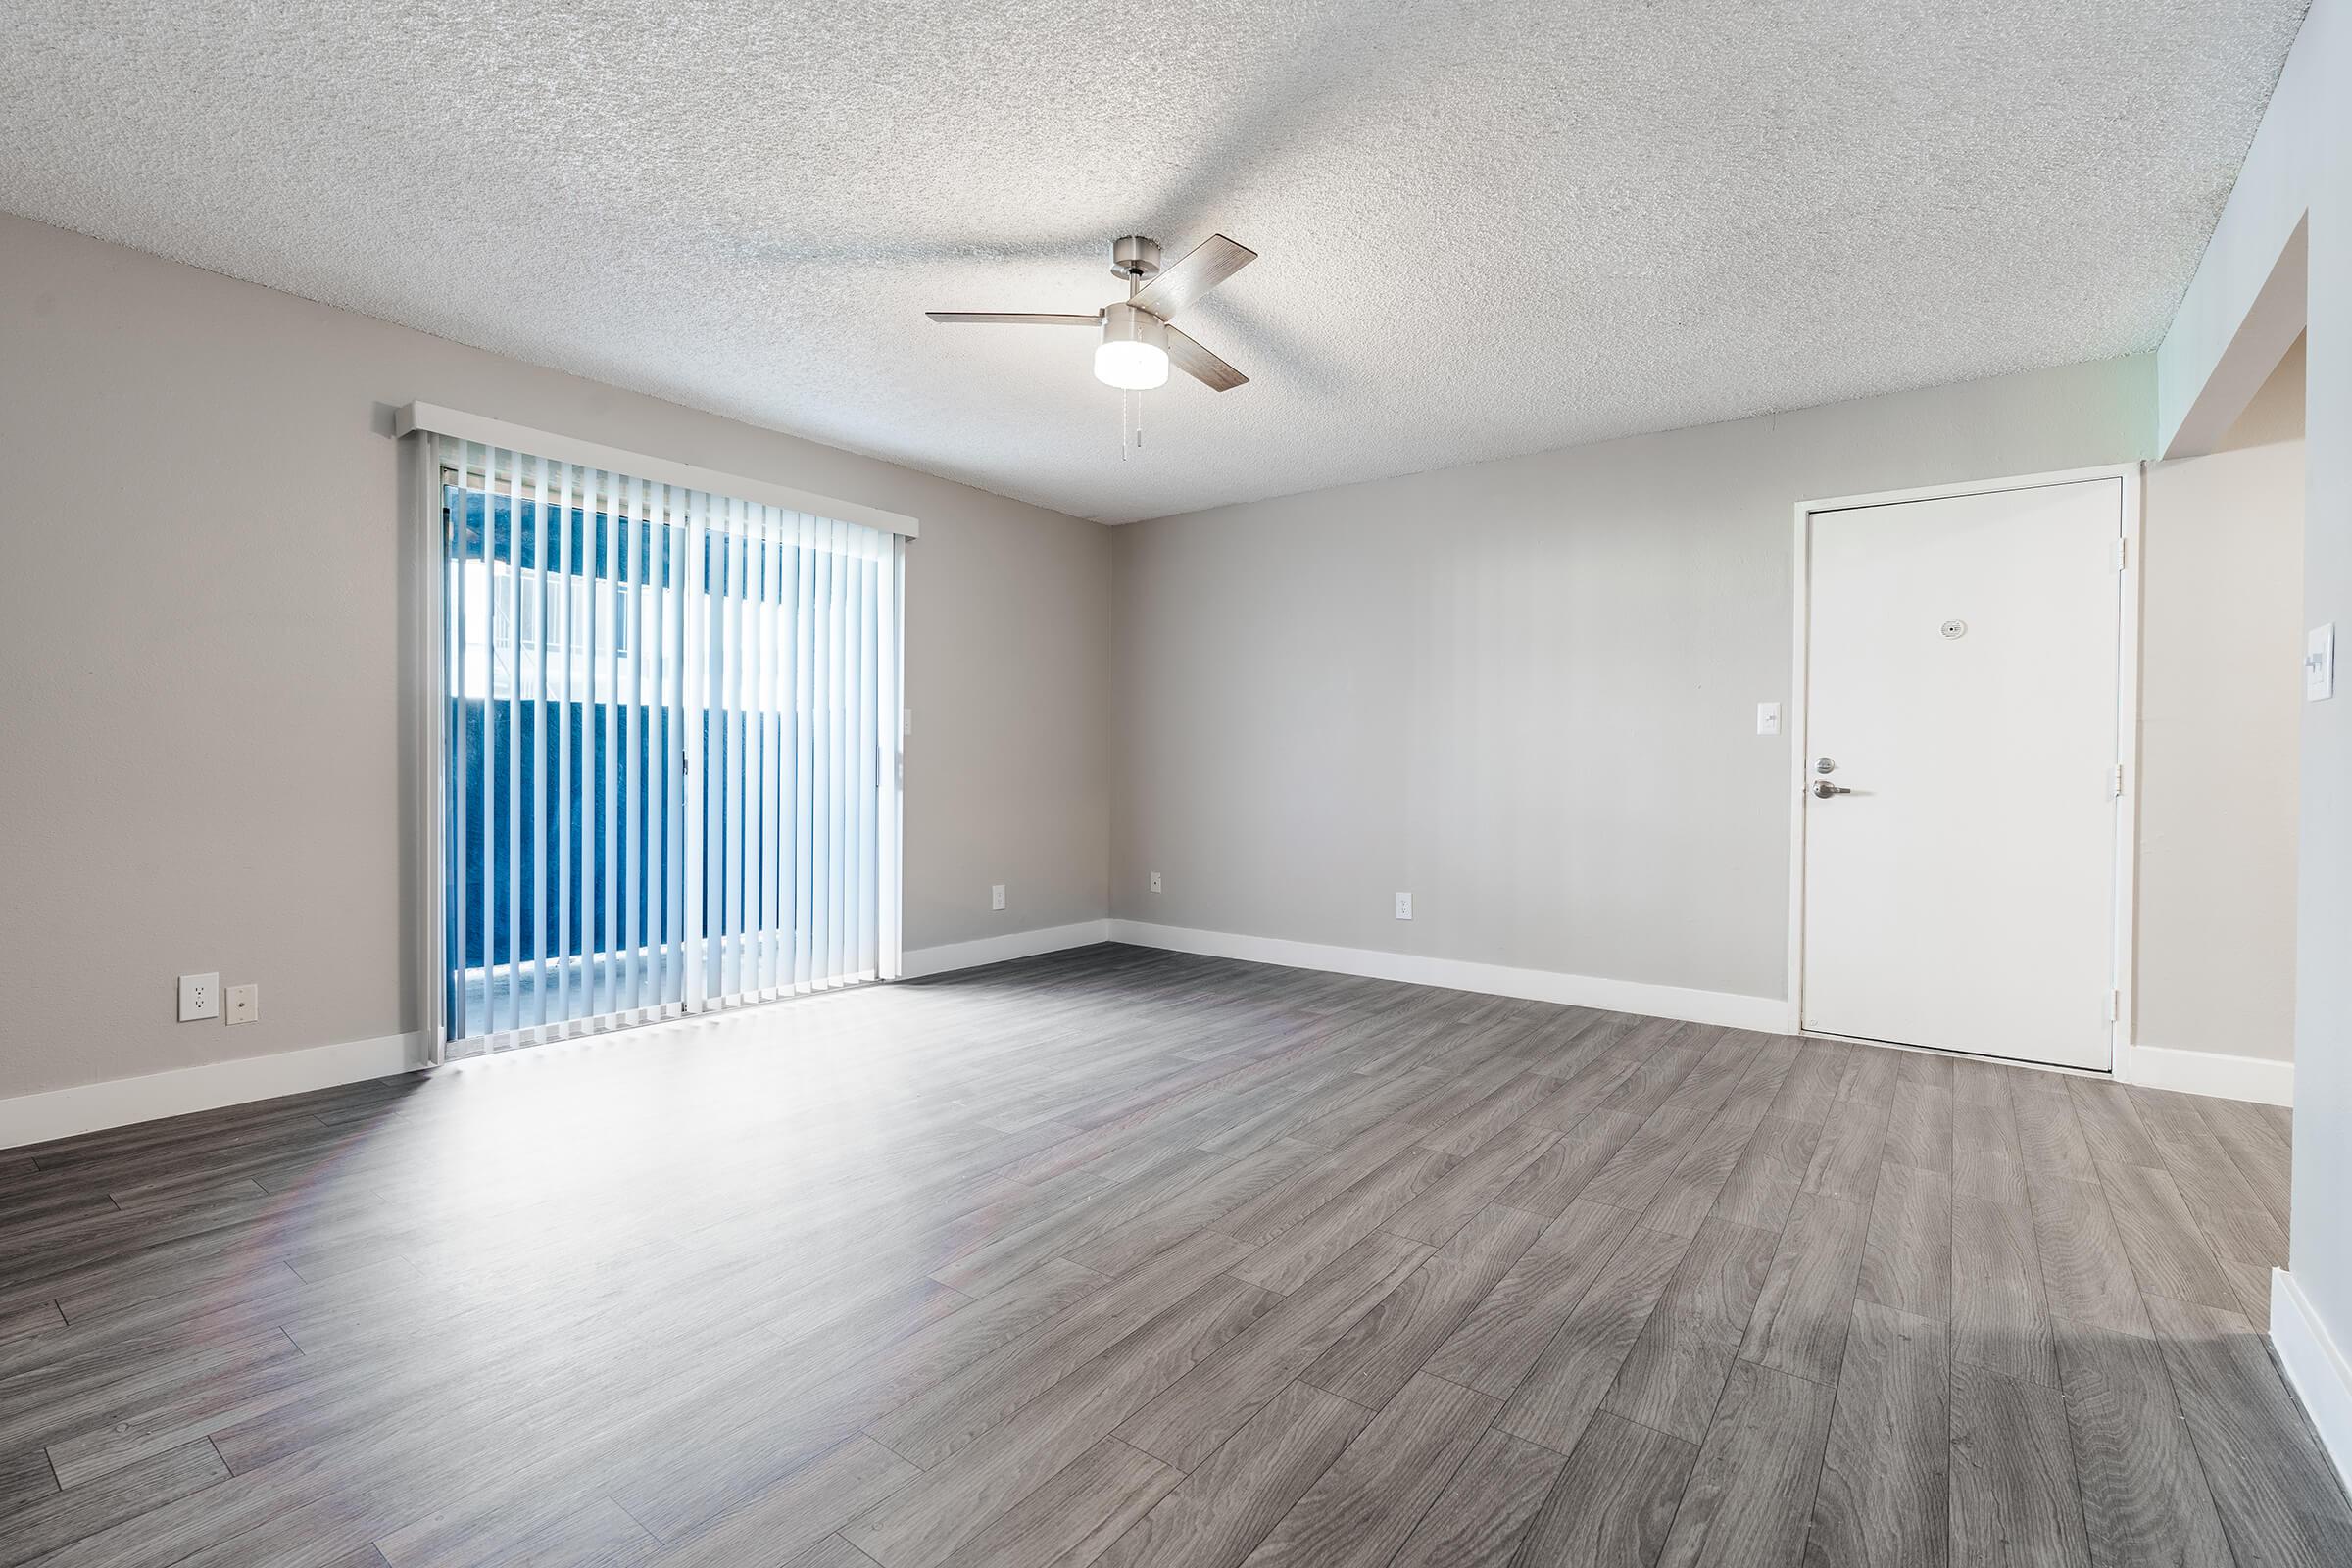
1135 257
1133 354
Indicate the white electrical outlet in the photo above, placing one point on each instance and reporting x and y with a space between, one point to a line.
1155 881
1404 906
2319 664
1767 718
996 895
199 997
244 1003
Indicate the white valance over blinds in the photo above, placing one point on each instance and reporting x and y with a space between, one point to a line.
484 431
669 747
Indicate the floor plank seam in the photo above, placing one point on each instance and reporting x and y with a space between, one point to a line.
1821 1460
1715 1410
2042 1277
651 1533
1829 1382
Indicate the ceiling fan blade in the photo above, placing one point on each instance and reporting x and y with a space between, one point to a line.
1187 356
1017 318
1213 261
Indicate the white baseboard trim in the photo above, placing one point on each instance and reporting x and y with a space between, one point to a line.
118 1101
2314 1368
951 955
2208 1072
1766 1015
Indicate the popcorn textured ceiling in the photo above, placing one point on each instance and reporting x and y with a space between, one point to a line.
1483 229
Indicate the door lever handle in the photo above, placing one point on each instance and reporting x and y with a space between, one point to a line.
1823 790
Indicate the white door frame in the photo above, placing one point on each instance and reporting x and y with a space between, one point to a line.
2131 477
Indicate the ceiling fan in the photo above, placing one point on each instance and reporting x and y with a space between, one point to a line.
1138 344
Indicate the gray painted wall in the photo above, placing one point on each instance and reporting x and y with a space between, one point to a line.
1526 690
204 755
2322 1239
2220 706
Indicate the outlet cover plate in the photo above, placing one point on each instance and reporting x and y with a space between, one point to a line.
199 998
245 1004
996 895
1404 906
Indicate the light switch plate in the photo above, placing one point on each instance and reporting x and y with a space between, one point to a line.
245 1004
199 998
2319 664
1404 906
1767 718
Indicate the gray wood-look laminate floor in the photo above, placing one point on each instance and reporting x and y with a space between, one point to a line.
1131 1259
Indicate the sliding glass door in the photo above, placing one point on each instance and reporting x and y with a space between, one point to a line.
669 772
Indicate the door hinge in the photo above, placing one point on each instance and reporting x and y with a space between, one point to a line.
2115 1006
2122 545
2116 781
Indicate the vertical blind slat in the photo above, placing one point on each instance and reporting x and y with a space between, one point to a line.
660 748
804 777
852 764
836 784
719 703
730 657
857 939
649 756
514 748
591 794
791 565
489 661
755 756
805 806
892 720
773 978
460 748
747 774
690 705
820 756
565 790
624 698
714 820
609 717
859 935
536 818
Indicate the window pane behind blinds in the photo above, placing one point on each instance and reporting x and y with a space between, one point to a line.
671 772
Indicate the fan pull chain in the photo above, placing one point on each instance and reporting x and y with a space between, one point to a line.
1131 423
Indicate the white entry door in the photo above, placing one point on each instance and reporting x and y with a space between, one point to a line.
1961 785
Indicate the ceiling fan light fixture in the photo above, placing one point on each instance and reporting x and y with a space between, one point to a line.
1133 354
1139 347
